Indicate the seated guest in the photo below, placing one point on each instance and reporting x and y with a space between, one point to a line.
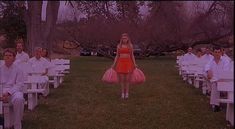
45 54
189 55
207 56
11 78
40 66
39 63
213 69
199 58
21 56
225 56
198 53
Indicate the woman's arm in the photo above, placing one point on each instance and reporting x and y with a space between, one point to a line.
115 60
132 56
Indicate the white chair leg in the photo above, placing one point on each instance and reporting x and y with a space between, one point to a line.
196 84
61 79
230 113
47 89
56 82
32 100
190 81
204 90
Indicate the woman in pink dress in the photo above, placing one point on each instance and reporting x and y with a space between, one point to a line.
124 63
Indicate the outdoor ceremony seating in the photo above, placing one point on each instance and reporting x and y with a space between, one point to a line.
194 71
226 84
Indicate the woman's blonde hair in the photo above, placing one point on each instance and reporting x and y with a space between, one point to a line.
128 41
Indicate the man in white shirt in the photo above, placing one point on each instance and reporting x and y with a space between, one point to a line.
21 56
198 54
213 69
207 56
45 54
39 64
189 56
11 78
225 56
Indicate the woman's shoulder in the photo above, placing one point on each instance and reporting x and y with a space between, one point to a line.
131 46
118 46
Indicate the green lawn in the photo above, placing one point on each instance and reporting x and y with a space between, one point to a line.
164 101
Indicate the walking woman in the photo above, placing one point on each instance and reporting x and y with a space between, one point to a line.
124 63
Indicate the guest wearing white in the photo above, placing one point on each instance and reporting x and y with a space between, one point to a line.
213 69
39 64
225 56
198 54
45 54
207 56
11 78
21 56
189 55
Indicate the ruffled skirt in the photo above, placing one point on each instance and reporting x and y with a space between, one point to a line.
124 65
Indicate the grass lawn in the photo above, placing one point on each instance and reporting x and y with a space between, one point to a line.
164 101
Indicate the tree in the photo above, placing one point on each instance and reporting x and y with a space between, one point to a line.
11 22
16 19
166 24
51 18
212 24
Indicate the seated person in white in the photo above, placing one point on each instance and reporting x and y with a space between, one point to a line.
45 54
199 58
213 69
21 56
198 54
189 56
38 63
11 78
225 56
40 67
207 55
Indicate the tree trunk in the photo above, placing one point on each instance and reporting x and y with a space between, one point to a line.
34 25
39 34
51 18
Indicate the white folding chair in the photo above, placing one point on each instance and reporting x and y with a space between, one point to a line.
55 75
36 84
227 87
226 83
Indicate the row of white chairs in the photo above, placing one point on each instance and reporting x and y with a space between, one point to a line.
193 72
36 84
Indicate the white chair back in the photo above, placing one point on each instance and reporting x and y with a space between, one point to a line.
225 86
226 75
65 61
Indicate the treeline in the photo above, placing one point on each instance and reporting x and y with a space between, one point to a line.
167 27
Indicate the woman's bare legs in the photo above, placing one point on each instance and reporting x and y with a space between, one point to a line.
124 81
121 79
127 82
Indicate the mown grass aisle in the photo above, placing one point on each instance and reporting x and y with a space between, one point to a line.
163 102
